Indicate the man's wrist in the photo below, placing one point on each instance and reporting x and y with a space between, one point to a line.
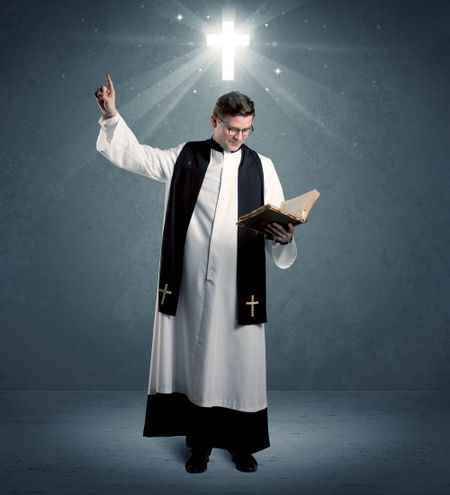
284 243
108 122
109 115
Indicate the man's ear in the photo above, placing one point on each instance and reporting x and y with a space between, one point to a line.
213 121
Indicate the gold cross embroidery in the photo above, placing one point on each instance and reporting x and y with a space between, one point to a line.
252 304
164 291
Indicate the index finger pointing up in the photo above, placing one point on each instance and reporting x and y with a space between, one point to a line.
109 81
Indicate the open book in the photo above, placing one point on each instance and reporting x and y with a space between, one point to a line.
295 211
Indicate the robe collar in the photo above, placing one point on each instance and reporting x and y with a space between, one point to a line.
216 146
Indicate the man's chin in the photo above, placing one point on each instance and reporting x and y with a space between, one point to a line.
233 146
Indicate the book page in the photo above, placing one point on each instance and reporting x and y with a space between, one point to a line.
301 205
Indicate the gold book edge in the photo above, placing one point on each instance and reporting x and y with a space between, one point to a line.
261 209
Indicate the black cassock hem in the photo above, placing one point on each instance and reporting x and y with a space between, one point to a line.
174 414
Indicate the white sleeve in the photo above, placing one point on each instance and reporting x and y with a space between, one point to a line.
283 255
117 143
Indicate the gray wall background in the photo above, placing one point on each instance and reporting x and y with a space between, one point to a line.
359 111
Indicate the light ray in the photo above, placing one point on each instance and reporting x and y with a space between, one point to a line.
270 10
143 80
140 106
311 84
207 9
132 39
315 48
172 99
316 92
171 8
285 95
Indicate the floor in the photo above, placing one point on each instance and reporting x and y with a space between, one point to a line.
322 443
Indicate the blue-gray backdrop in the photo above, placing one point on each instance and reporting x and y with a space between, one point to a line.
352 99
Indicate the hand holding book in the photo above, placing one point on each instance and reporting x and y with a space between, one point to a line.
282 234
293 211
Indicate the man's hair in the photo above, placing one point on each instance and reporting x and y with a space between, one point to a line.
233 104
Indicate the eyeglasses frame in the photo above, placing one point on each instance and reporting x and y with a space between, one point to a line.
245 132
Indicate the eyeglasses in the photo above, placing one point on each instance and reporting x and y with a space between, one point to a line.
234 131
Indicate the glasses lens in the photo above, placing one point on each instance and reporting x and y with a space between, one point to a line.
234 131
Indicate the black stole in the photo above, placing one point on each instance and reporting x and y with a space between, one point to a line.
189 172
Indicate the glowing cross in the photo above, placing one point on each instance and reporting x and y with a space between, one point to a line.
165 291
252 304
228 40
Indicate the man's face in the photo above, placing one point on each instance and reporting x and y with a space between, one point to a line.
225 131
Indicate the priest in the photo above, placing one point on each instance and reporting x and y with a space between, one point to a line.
208 364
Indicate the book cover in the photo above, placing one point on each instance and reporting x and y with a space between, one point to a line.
295 211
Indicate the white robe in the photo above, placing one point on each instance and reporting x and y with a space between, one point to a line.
202 352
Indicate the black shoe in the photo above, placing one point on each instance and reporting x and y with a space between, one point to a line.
244 461
197 461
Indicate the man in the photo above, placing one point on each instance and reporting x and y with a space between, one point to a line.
207 371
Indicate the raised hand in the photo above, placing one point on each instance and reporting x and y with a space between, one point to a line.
106 98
